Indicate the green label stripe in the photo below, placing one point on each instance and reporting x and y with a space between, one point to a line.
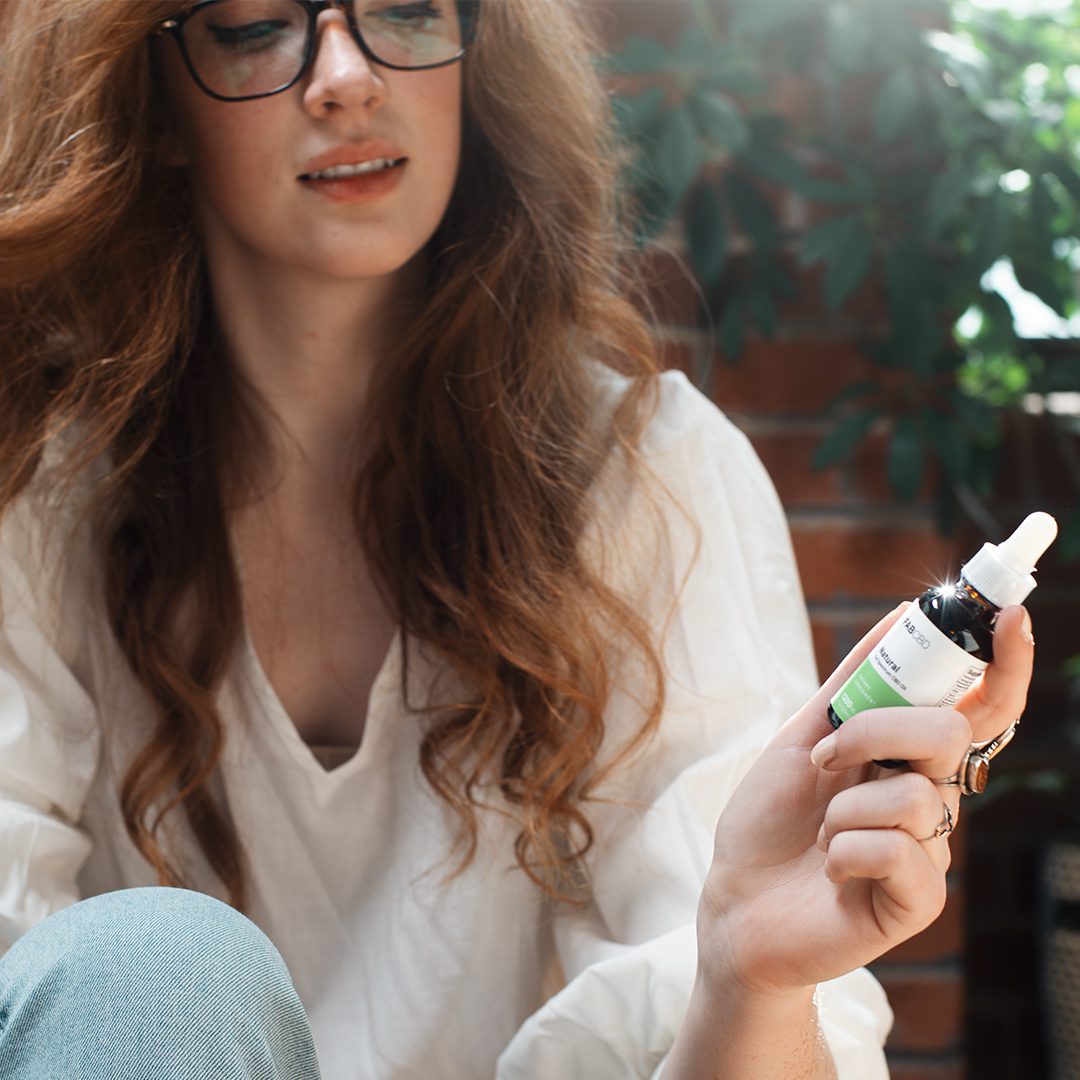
866 689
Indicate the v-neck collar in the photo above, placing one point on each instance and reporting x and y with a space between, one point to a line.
287 732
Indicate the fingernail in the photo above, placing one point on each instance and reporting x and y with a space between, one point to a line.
1025 627
822 845
825 751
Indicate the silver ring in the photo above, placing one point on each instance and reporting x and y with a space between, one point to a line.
948 823
974 769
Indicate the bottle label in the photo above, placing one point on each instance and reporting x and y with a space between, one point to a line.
913 664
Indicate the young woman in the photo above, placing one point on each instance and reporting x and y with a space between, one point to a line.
394 666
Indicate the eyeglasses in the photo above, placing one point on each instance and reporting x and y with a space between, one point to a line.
237 50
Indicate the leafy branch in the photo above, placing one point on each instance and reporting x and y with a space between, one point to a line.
935 141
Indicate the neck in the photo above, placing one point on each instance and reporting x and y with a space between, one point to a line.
309 349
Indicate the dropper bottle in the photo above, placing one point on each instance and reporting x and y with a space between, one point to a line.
945 640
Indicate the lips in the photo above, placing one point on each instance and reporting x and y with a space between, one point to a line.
356 154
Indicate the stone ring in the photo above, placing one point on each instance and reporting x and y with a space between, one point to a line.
974 770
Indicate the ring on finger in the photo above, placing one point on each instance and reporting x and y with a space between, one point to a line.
948 823
974 769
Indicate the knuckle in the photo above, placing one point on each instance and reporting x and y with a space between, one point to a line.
914 787
895 848
956 729
915 794
836 812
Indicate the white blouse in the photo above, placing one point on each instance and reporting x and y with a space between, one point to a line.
403 977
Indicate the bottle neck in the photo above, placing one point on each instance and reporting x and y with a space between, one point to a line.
970 597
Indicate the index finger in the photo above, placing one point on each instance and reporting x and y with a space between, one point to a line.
1000 696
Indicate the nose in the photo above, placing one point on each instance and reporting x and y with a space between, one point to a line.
341 76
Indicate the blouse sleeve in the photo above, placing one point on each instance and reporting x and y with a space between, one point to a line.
738 662
48 734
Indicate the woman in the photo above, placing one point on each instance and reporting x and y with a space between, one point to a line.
360 574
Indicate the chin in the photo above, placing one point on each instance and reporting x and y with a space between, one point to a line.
364 266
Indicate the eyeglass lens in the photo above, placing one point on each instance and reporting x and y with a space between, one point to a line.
242 48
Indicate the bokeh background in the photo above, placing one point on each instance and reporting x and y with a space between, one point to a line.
860 222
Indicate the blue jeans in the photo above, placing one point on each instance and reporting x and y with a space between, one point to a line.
150 984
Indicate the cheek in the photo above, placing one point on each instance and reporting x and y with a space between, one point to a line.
448 127
441 110
226 162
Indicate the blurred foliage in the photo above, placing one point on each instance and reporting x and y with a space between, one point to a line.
928 141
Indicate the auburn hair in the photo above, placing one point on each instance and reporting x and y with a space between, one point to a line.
487 431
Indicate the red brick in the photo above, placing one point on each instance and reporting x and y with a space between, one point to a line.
797 97
928 1007
892 562
798 378
787 457
871 472
667 290
676 355
825 648
958 845
1033 463
1011 952
952 1069
864 310
616 20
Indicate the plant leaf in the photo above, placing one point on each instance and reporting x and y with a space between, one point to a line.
1065 171
1043 205
947 196
678 152
639 56
732 329
949 442
991 228
638 114
843 438
719 120
827 240
751 211
763 302
905 463
848 266
706 233
752 17
897 104
861 388
1068 545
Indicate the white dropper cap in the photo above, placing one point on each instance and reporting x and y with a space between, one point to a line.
1002 572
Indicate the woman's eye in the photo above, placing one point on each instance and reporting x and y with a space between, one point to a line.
250 37
408 14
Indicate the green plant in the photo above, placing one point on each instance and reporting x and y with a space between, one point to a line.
943 140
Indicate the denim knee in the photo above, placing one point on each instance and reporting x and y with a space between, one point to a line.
150 984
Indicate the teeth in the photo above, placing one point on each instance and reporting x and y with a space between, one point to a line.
337 171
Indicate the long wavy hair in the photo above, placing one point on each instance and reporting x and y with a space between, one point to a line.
487 429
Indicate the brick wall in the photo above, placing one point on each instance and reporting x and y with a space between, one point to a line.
1008 834
963 991
960 1003
859 553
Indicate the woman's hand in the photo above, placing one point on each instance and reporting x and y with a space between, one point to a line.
822 865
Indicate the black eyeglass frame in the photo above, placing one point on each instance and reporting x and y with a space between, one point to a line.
467 12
